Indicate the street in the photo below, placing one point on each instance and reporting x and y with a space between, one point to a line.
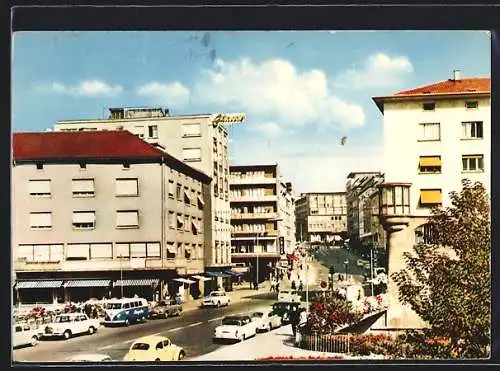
192 330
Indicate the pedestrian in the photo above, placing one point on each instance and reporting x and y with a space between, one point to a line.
272 285
255 284
294 319
278 286
294 286
301 286
94 312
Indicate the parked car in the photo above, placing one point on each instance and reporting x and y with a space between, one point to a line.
154 348
266 319
124 311
165 308
24 334
289 296
283 310
235 328
69 324
215 299
90 357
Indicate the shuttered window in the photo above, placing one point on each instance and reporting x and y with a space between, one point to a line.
78 252
138 250
153 250
41 253
191 154
101 251
127 187
191 130
41 220
83 187
39 187
123 250
84 219
127 219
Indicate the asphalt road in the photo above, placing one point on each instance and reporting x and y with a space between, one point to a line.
192 330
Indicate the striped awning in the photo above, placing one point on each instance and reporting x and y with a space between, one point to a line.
137 282
87 283
42 284
184 280
217 274
201 278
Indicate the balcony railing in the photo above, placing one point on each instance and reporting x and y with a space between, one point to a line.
235 215
252 198
252 180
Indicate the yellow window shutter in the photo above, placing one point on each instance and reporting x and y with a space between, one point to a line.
430 196
430 161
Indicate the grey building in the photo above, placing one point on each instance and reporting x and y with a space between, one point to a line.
104 214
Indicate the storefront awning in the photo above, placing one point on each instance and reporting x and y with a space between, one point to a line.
137 282
217 274
87 283
42 284
201 278
184 280
234 273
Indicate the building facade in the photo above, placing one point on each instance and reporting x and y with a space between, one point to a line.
321 217
101 214
434 136
198 140
262 218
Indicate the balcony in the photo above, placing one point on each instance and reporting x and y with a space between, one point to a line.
235 215
252 180
248 198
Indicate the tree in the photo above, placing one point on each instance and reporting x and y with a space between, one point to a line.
447 281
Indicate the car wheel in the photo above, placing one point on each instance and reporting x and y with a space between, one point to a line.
34 341
166 315
218 304
181 355
270 327
157 360
67 334
243 338
91 330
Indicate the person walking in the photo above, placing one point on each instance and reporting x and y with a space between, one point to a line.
294 286
271 289
278 286
294 319
301 286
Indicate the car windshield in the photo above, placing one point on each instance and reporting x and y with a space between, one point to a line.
284 292
113 306
214 294
257 315
231 322
140 346
60 319
161 304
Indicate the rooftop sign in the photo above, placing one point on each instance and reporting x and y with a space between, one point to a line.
227 118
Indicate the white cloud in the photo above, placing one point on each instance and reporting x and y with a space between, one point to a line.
266 128
275 91
89 88
379 70
174 94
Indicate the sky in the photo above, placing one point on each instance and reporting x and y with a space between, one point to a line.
301 91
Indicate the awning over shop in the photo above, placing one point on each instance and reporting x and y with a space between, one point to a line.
218 274
87 283
201 278
42 284
184 280
137 282
233 273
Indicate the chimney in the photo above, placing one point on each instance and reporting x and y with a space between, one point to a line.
456 75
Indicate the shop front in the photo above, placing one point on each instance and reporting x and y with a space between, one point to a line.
39 291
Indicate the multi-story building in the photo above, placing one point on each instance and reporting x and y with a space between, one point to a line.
321 217
434 136
198 140
261 217
104 214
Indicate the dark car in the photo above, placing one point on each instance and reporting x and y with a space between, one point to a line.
283 309
165 308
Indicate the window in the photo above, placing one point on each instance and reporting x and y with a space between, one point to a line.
127 219
126 166
187 197
171 189
77 251
84 219
41 220
83 166
153 250
39 166
122 250
127 187
429 106
171 250
472 129
83 187
187 225
473 163
187 251
41 253
191 130
430 197
180 221
153 131
430 131
39 187
471 104
178 192
191 154
101 251
171 219
138 130
137 250
424 234
429 164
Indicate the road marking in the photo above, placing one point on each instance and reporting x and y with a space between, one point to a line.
194 324
174 329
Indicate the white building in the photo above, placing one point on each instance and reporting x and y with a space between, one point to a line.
434 136
200 141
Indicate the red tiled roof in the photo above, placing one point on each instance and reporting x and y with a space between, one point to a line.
84 144
462 86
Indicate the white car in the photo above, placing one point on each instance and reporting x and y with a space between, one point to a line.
266 319
69 324
24 334
215 299
90 357
235 328
291 296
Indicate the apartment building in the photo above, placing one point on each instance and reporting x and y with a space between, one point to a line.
262 218
202 142
104 214
321 217
434 136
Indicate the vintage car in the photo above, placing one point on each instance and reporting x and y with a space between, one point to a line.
266 319
215 299
90 357
69 324
165 308
283 310
154 348
24 334
235 328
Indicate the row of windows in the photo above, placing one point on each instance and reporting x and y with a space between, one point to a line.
253 192
254 227
185 222
183 194
432 164
84 219
326 211
431 106
152 131
432 130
